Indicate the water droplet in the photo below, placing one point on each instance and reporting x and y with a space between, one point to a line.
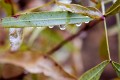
78 24
87 22
62 27
50 26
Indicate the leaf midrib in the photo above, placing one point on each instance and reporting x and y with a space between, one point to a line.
97 72
113 9
45 19
116 67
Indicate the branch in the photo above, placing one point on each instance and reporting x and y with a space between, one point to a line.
83 27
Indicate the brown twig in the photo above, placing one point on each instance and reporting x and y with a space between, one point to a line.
83 27
65 41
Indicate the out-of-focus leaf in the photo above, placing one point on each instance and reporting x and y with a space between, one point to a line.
54 40
94 1
15 37
115 8
94 73
10 71
86 11
116 79
116 66
34 62
43 19
7 5
103 49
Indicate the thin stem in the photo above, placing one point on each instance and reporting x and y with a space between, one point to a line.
107 41
106 32
83 28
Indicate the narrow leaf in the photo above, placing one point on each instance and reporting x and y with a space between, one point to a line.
115 8
94 73
116 66
86 11
34 62
43 19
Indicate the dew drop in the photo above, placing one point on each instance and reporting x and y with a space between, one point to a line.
50 26
62 27
78 24
87 22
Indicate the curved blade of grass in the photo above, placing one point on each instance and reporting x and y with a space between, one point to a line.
115 8
86 11
43 19
94 73
36 63
116 67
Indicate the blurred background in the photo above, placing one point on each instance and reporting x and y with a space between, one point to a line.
77 56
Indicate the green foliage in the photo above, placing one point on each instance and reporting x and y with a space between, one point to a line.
86 11
94 73
73 14
43 19
115 8
116 66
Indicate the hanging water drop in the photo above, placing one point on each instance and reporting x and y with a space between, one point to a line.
50 26
62 27
78 24
87 22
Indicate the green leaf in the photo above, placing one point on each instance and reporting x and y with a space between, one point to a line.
115 8
38 19
86 11
116 66
103 49
94 73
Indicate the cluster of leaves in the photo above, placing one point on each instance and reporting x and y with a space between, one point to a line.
73 14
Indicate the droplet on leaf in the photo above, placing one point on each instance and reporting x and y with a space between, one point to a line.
15 37
78 24
62 27
87 22
50 26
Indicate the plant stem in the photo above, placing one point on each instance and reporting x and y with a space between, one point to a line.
106 32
